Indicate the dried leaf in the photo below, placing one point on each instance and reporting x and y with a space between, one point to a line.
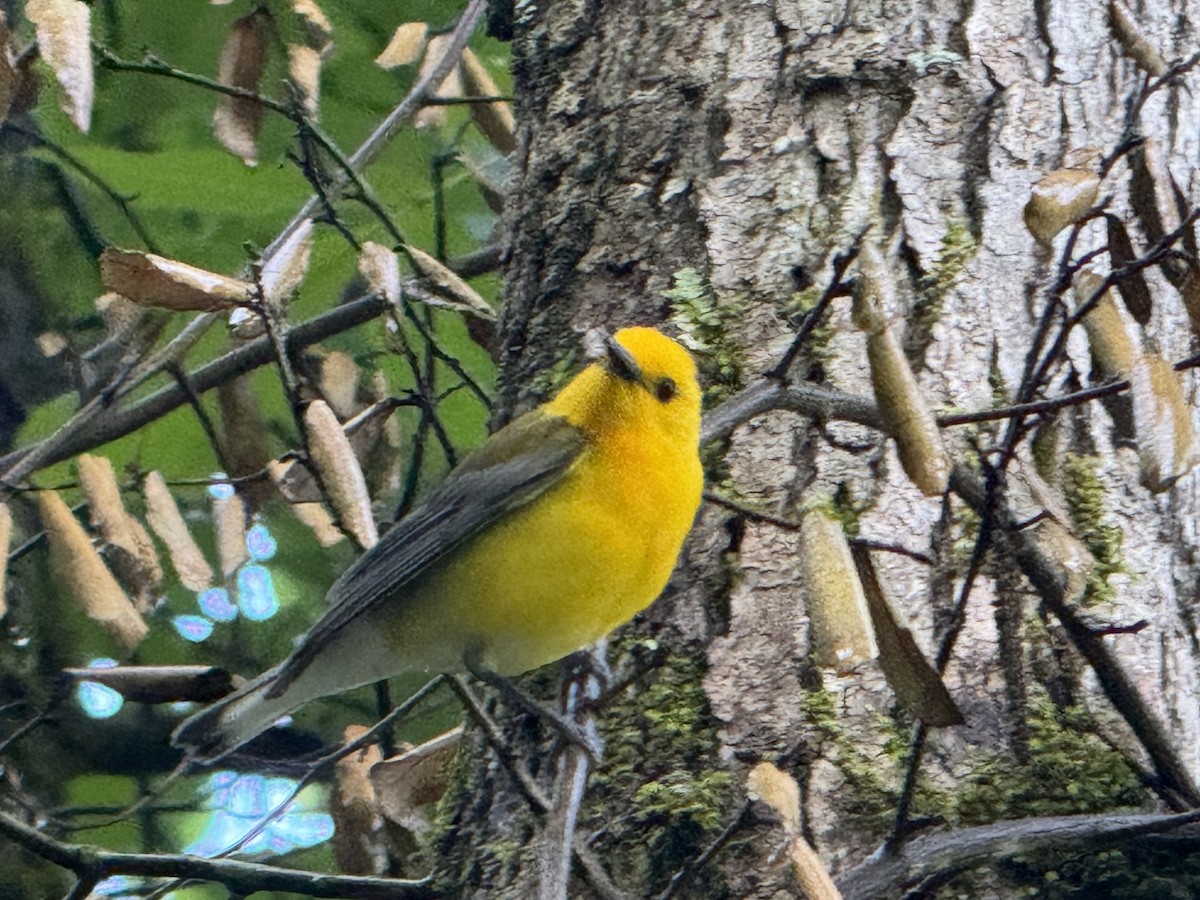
1059 199
1162 422
379 266
918 687
491 171
64 41
9 76
284 270
405 47
304 70
1189 292
1133 40
342 477
243 59
87 580
1133 288
229 523
495 119
151 280
463 297
1069 553
375 435
777 789
408 781
119 314
839 623
451 86
311 513
51 343
901 403
246 324
246 435
164 517
339 383
1149 188
161 684
6 530
814 879
1182 210
356 819
318 30
135 561
1114 349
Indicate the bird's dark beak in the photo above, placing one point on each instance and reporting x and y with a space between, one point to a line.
621 363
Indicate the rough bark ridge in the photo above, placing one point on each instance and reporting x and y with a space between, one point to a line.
753 142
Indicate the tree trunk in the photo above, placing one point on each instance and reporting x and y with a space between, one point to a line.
753 143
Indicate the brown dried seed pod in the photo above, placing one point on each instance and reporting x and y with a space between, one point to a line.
901 404
342 477
840 635
136 561
164 517
1059 199
88 581
229 522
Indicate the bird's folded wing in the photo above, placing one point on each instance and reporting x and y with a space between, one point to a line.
516 464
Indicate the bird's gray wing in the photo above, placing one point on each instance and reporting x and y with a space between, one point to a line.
514 466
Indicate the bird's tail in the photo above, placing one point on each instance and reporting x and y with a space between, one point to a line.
232 721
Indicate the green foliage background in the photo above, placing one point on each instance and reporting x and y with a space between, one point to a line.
151 143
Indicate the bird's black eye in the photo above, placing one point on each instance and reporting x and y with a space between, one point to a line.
664 390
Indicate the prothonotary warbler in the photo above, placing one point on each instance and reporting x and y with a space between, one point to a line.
563 525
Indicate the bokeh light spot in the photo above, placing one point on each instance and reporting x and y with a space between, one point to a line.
259 542
221 490
239 802
97 700
193 628
256 596
215 604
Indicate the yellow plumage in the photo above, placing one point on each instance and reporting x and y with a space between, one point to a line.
562 526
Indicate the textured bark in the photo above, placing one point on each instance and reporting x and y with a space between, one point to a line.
753 142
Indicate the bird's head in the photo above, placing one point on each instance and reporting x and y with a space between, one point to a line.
640 376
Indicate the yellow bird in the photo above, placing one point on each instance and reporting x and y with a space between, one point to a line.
562 526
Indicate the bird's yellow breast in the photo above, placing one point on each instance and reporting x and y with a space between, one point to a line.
580 560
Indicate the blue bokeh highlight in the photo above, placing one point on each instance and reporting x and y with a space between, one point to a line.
98 700
239 803
215 604
193 628
256 596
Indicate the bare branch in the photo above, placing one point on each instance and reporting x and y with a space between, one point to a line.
91 864
939 856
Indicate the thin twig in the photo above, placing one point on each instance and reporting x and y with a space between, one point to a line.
836 288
